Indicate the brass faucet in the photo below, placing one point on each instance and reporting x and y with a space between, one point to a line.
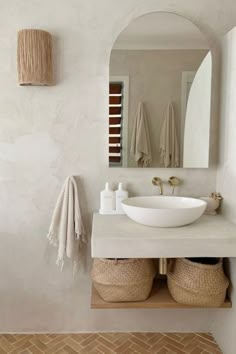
156 181
174 182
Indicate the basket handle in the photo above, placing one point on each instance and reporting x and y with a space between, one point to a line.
171 263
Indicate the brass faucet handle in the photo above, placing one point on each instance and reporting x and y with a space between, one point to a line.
157 181
174 182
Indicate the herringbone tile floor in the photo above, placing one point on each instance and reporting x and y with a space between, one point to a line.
109 343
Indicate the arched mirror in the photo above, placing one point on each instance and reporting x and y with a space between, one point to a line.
160 94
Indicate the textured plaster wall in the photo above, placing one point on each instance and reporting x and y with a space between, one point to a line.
48 133
154 78
224 325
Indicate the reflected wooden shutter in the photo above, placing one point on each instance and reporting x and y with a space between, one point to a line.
115 122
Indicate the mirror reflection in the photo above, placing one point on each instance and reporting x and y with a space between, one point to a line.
160 94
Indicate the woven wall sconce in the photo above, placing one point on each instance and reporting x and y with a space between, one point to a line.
34 57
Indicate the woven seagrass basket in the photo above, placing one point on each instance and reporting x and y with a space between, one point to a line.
124 279
197 284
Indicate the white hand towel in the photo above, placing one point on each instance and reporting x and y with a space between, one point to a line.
67 230
169 146
140 143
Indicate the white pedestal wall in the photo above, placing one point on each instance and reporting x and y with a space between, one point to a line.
224 326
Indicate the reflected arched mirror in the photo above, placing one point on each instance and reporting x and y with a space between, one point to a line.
160 94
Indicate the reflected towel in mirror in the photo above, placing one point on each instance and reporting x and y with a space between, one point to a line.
169 146
140 143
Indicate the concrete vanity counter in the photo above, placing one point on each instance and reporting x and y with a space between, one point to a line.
116 236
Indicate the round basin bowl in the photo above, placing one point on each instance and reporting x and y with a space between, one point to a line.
164 211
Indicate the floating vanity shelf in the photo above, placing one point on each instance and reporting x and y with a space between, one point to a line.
116 236
159 298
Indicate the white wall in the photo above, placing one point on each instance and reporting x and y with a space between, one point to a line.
48 133
197 120
224 325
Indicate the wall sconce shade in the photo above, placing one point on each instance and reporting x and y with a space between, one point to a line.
34 57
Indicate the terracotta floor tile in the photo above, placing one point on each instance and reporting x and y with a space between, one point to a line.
140 343
61 351
191 345
196 350
211 344
123 347
88 340
206 336
153 340
73 344
140 336
10 338
160 344
34 350
109 343
174 336
163 351
175 349
129 351
70 350
106 343
175 343
104 350
139 349
122 338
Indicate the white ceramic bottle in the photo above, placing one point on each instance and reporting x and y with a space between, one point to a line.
121 194
107 200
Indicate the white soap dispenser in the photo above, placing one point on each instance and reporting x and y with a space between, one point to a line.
121 194
107 200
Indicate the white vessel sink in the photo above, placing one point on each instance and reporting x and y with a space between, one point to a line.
164 211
